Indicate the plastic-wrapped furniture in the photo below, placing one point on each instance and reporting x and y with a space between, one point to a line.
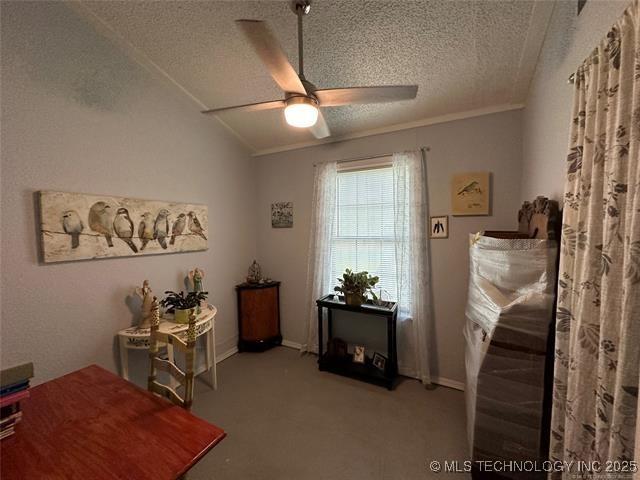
509 311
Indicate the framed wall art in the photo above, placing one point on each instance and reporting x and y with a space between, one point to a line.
439 226
282 215
78 226
470 193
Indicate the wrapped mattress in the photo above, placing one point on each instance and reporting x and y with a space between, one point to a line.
509 311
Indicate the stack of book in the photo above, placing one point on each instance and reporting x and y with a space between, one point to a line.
14 389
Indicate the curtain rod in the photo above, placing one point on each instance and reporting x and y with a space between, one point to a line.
371 157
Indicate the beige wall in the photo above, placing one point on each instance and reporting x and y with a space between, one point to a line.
547 116
79 116
490 142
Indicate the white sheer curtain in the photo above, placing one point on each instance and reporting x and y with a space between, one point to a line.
410 218
412 264
319 281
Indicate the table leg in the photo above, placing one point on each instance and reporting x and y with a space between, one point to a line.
320 335
171 357
391 353
124 358
210 359
212 356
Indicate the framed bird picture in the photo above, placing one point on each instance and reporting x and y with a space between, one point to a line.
78 226
470 193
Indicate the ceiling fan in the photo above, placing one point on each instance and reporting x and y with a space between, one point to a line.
302 100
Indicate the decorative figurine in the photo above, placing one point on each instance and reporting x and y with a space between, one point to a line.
146 294
195 279
255 273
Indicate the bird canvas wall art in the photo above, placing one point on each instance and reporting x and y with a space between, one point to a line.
470 193
77 226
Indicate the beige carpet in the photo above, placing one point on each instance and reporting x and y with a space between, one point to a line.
286 420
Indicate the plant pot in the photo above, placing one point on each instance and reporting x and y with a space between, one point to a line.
181 316
353 299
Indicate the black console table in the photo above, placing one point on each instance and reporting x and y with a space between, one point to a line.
345 365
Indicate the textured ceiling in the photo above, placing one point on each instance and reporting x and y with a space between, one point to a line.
464 55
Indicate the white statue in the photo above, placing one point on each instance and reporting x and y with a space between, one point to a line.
195 279
146 294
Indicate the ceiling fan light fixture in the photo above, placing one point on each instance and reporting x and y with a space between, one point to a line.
301 112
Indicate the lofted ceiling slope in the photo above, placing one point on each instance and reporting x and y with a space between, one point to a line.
463 55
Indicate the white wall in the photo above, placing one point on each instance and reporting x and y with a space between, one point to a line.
547 116
490 142
79 116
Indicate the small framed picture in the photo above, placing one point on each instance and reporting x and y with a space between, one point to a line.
358 354
439 226
282 215
379 361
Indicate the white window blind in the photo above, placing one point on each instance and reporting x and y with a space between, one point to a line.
364 231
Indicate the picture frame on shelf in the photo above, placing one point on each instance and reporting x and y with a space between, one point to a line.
358 354
379 361
337 348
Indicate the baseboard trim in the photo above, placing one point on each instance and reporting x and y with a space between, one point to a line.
291 344
442 381
447 382
229 353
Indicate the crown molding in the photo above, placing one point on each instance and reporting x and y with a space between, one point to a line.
394 128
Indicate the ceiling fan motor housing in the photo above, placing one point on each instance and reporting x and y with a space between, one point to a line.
303 5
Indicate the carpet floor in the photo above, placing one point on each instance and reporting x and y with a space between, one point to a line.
286 420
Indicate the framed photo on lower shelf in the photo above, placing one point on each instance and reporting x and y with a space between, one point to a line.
358 354
379 361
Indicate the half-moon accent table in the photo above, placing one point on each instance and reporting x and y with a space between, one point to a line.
136 338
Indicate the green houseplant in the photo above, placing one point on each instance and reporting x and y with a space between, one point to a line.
355 286
179 304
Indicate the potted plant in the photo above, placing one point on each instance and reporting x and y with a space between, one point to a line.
180 305
355 286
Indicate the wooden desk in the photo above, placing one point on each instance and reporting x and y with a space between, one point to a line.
91 424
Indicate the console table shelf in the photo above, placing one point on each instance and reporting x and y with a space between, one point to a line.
345 365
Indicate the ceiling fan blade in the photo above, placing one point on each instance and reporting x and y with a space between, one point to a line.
268 49
320 129
249 107
335 97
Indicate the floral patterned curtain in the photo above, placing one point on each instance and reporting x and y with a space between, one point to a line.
597 357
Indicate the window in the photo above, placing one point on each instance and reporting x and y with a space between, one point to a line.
364 231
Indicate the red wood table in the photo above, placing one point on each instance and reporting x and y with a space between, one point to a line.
91 424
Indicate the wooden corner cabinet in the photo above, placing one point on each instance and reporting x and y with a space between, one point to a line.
258 316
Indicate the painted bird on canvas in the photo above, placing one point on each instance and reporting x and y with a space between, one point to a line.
473 187
161 228
145 229
72 225
123 226
178 227
101 220
194 225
